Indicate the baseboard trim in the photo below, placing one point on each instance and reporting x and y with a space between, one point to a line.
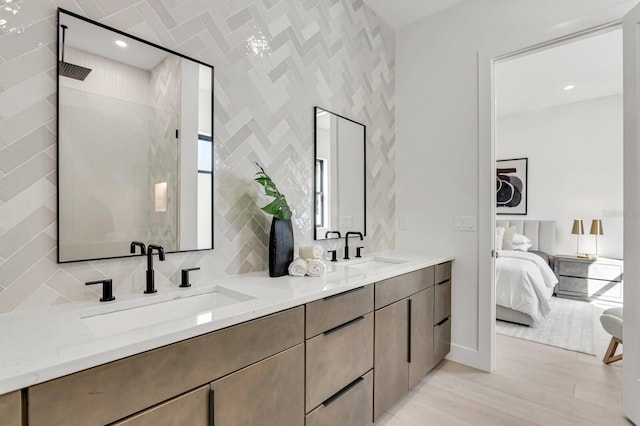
469 357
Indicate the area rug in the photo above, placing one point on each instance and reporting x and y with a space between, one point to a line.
570 325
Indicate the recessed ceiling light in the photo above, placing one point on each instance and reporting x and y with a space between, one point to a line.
569 87
121 43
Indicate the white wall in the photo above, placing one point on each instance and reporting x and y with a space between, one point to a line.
437 135
575 168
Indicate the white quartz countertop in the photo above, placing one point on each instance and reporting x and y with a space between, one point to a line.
48 343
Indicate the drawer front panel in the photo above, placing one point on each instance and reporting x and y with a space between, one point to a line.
270 392
590 288
325 314
189 409
396 288
441 340
442 306
443 272
11 409
353 407
79 398
336 359
590 270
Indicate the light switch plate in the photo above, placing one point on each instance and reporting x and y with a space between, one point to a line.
464 223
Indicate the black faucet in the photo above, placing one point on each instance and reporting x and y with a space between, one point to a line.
326 234
346 242
150 282
134 244
107 289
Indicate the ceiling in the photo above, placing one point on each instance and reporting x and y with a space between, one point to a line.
592 65
398 13
86 36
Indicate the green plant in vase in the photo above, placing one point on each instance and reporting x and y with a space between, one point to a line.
281 235
278 207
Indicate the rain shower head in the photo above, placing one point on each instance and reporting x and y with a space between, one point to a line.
66 69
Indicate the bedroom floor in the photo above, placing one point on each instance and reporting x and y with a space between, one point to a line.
533 384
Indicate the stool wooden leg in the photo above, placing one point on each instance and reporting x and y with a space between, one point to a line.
611 351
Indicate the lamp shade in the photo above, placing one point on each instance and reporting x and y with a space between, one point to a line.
596 227
578 227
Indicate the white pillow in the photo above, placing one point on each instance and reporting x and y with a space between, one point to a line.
520 239
499 237
508 238
522 246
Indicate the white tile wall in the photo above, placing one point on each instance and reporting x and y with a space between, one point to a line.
333 53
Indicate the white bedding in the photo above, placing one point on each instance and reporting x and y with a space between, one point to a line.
524 282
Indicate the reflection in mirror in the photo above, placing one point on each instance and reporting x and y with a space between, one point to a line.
339 179
135 155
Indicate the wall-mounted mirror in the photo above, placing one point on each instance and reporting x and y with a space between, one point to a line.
339 180
135 135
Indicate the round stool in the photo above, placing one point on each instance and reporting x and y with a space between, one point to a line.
611 321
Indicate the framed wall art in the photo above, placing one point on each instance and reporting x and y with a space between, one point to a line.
511 186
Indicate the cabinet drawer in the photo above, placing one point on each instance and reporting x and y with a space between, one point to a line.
270 392
441 340
442 306
443 272
396 288
336 358
590 288
163 373
590 270
191 409
351 406
327 313
11 409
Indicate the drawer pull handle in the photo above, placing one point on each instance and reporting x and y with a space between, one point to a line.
442 322
346 324
444 282
333 296
211 407
342 391
409 330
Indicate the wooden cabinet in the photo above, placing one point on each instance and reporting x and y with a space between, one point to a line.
191 409
421 361
442 313
11 409
408 341
121 388
589 279
339 358
270 392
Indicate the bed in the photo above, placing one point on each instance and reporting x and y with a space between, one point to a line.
525 280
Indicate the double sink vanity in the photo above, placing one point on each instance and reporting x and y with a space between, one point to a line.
338 349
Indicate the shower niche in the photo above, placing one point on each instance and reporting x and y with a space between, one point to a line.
135 144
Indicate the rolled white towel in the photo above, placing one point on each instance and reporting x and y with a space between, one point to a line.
311 252
316 267
298 268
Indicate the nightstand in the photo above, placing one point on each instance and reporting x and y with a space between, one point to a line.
589 279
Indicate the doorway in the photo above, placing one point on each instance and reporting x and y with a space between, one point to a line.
559 152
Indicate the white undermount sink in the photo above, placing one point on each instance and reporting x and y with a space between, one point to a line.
375 263
199 308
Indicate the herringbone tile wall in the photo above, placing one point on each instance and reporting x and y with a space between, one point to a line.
274 60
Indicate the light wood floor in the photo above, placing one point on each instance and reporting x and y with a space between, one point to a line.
533 384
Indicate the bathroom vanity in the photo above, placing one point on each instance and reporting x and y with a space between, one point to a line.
339 349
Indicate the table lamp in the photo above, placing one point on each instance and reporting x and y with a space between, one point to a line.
596 229
578 229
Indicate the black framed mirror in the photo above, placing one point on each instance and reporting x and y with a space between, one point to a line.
339 179
135 144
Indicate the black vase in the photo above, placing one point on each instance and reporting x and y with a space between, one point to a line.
280 247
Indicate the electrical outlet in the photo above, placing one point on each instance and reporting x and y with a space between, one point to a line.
404 223
346 221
